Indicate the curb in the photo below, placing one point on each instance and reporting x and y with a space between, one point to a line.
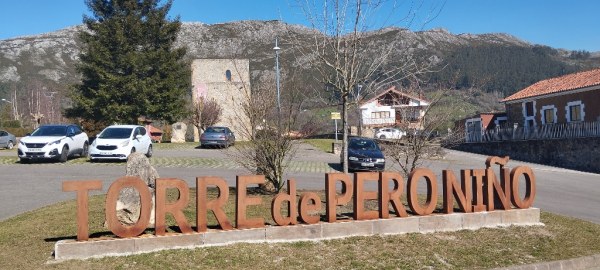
97 248
589 262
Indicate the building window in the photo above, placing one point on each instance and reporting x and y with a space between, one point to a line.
575 111
474 125
228 75
501 121
529 108
529 113
548 114
380 114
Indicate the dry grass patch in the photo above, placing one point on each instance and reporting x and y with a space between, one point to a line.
27 242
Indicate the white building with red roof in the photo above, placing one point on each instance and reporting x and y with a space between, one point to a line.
393 108
572 98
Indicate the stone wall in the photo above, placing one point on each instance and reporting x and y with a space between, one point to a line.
581 154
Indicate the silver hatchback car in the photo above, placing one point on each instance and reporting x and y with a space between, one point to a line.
7 140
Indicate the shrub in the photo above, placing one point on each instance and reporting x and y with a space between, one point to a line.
18 131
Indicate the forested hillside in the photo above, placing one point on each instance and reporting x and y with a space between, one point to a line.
505 69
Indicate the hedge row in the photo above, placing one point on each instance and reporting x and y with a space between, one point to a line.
18 132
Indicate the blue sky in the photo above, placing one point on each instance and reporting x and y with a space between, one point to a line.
568 24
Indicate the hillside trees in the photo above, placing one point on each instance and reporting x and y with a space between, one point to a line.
32 102
500 68
129 65
345 55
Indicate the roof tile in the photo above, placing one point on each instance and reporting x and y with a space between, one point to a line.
558 84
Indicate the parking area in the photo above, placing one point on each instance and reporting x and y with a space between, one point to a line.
25 187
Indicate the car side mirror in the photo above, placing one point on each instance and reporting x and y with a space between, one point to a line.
28 134
138 136
70 134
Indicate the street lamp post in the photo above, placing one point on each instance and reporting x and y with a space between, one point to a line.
276 48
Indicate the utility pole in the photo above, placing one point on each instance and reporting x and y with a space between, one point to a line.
276 48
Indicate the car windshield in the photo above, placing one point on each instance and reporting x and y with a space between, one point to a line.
363 145
50 131
115 133
215 130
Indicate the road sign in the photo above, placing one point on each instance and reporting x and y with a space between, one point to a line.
336 116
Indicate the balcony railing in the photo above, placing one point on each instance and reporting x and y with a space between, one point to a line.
379 121
543 132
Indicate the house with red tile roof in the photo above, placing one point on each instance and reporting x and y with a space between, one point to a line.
572 98
393 108
476 125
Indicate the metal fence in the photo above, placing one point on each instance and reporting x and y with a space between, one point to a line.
543 132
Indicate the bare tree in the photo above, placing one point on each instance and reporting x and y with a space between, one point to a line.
424 128
266 153
205 112
345 54
34 103
270 147
14 103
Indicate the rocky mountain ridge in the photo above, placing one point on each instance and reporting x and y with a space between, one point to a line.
52 56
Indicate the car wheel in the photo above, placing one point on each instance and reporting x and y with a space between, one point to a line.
9 145
85 150
64 155
149 153
381 136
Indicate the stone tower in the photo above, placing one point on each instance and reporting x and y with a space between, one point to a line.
227 81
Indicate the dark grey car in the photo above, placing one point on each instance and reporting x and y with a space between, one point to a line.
365 155
7 140
217 136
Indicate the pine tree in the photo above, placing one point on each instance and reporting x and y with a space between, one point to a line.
129 65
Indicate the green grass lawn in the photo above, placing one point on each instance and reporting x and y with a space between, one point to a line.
27 242
321 144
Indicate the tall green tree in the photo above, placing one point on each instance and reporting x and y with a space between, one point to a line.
129 64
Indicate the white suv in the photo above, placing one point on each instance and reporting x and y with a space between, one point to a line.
53 142
390 133
118 141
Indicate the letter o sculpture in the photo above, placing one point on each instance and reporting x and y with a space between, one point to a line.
112 196
529 187
412 196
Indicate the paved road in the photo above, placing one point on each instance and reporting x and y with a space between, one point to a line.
25 187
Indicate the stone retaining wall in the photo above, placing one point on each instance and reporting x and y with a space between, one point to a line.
71 249
579 154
